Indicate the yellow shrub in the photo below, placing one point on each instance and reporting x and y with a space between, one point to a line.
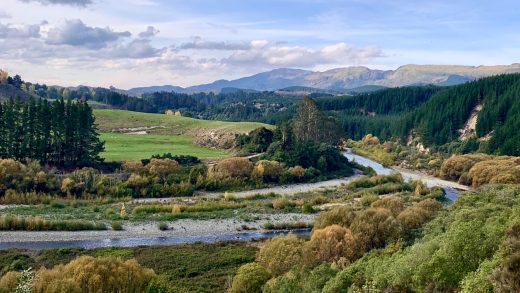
89 274
392 203
232 168
279 254
342 216
268 171
132 166
297 171
8 282
330 244
498 170
455 166
163 167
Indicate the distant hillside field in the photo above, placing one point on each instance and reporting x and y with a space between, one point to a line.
133 135
120 147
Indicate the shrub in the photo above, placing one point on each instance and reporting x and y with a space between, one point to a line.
267 171
279 254
232 168
307 208
249 278
89 274
375 228
498 170
392 203
116 226
298 172
342 216
330 244
455 166
286 225
8 282
163 167
19 223
132 166
282 203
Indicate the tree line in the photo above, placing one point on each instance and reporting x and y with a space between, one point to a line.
60 133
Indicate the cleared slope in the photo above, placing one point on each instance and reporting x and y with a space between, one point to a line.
134 135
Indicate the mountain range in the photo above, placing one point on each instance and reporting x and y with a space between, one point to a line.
343 79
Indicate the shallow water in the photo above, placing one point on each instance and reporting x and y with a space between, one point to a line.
133 242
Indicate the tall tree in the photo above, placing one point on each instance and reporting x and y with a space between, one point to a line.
310 124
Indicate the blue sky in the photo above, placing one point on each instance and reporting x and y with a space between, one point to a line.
129 43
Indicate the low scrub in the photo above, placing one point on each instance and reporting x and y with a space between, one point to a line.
287 225
204 206
19 223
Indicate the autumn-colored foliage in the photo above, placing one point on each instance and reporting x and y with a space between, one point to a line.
267 171
330 244
163 167
279 254
232 168
89 274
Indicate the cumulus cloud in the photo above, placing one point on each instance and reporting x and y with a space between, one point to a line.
199 44
82 3
149 32
136 49
266 54
76 33
19 32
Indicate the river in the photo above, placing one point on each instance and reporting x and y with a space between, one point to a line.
451 190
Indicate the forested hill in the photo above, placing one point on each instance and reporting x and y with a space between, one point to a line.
437 115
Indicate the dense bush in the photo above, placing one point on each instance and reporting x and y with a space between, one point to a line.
249 278
330 244
480 169
279 254
232 168
89 274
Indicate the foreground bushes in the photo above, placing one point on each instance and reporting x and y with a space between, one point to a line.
89 274
19 223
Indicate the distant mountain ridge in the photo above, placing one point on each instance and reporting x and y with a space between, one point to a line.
343 79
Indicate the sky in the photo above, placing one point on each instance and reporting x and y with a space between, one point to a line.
131 43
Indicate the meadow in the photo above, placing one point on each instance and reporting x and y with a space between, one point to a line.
121 146
108 120
161 134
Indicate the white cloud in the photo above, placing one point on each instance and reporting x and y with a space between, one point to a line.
82 3
199 44
149 32
19 32
76 33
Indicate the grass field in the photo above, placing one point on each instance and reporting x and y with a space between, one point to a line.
109 120
165 134
120 146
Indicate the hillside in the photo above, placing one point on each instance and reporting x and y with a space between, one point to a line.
488 108
132 135
340 79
